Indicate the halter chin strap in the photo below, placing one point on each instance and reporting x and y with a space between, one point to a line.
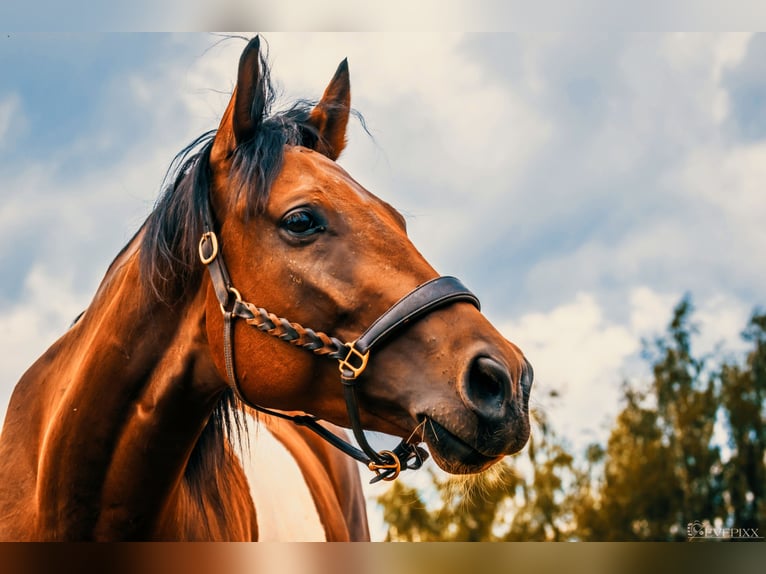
352 357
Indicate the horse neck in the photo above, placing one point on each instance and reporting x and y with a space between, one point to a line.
134 387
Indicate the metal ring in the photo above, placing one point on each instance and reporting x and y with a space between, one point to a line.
237 297
237 294
394 465
208 236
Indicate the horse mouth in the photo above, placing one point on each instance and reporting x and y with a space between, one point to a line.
451 453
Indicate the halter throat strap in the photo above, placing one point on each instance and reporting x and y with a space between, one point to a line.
352 357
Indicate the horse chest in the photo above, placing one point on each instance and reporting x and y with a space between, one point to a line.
285 507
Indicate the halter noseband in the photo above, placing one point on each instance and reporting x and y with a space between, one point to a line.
352 357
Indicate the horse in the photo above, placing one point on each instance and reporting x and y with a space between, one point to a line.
134 424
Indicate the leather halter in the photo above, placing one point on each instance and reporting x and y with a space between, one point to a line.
352 357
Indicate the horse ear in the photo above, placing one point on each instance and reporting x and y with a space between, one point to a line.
244 114
330 116
250 95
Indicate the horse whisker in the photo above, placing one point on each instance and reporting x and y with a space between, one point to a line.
433 430
420 427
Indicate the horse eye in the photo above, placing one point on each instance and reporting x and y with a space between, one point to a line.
301 222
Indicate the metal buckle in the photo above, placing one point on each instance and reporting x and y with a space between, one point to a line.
237 297
345 364
394 466
208 236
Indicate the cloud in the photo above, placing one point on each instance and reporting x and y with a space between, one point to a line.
721 319
66 213
637 182
98 183
577 352
47 305
745 86
584 356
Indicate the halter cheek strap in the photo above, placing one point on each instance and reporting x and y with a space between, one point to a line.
352 357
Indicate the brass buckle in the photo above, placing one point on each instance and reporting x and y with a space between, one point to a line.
237 297
208 236
346 364
395 466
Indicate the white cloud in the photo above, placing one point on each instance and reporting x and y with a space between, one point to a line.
441 107
721 319
650 310
727 207
728 52
576 351
583 355
693 222
730 179
714 52
47 306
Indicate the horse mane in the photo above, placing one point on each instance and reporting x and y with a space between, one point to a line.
169 260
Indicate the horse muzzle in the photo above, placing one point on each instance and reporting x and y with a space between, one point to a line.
492 421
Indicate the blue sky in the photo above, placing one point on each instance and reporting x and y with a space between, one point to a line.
580 184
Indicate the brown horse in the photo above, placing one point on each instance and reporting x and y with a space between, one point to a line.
127 427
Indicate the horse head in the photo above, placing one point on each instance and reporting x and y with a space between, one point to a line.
304 240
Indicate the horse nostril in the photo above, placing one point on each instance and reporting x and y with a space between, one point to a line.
487 387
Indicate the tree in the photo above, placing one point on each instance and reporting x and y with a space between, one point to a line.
662 467
638 496
743 399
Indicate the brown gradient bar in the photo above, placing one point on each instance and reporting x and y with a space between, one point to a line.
379 558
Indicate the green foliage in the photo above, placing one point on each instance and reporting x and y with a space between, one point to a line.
662 467
664 464
743 399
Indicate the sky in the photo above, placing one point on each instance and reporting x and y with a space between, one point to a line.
579 184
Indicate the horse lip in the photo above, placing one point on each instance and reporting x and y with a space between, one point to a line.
453 450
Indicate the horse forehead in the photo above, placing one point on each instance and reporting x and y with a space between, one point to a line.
305 169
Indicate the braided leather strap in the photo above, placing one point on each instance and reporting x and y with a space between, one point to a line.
293 333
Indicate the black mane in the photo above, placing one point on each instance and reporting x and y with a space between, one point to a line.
169 246
169 261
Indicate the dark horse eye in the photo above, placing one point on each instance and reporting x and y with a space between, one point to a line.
301 222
